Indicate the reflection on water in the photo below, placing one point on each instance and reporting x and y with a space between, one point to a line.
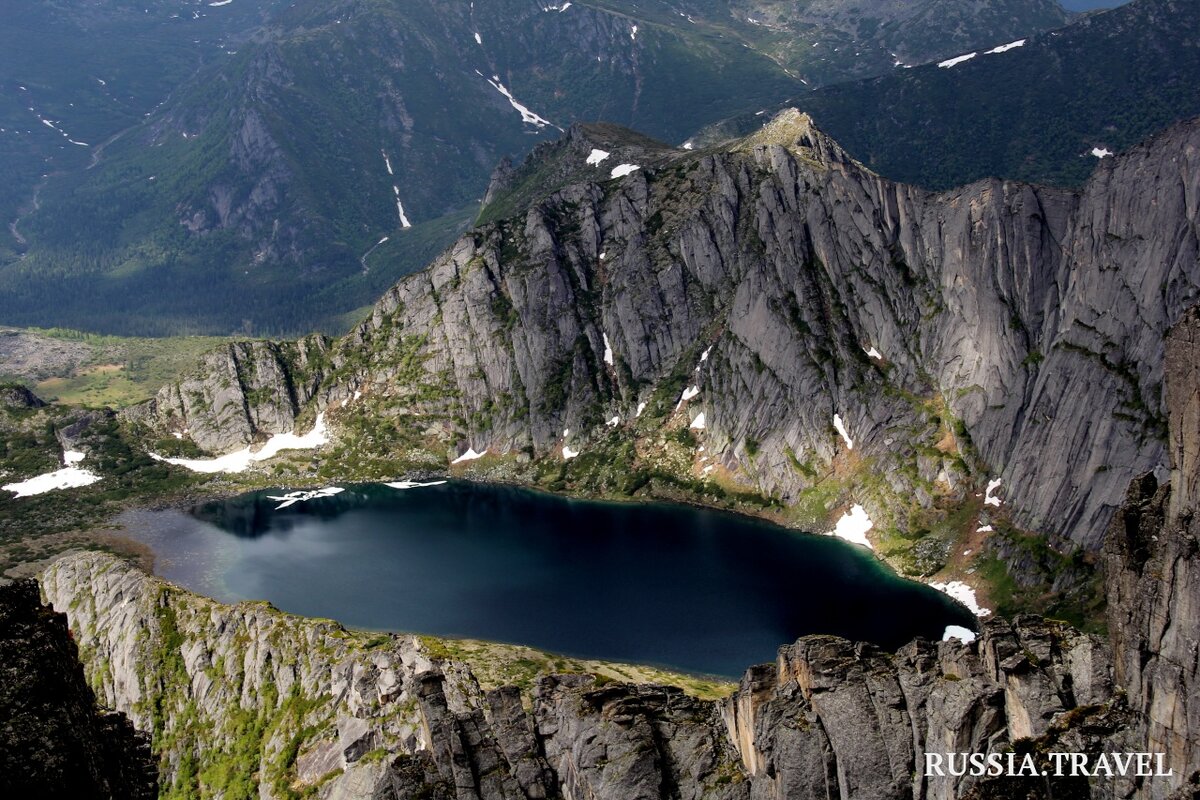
684 587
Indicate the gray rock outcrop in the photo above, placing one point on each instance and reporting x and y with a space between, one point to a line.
241 392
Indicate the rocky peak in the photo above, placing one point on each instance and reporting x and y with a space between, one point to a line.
796 131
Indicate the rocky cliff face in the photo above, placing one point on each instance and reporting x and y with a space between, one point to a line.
241 391
1153 565
245 699
233 692
54 741
998 331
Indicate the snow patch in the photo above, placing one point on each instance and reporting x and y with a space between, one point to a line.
478 39
688 145
241 460
291 498
404 223
568 453
873 353
1004 48
470 455
412 484
219 3
641 407
614 422
67 478
689 393
698 422
633 34
527 116
989 499
853 527
621 170
984 529
950 62
958 632
1101 152
597 156
608 353
841 428
963 594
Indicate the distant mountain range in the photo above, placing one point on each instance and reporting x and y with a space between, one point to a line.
179 167
1043 108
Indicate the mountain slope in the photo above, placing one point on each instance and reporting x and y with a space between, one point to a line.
1034 112
258 193
772 319
73 75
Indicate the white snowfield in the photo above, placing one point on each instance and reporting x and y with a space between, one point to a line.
69 477
568 453
841 429
958 632
689 393
873 353
853 527
404 223
608 351
241 460
291 498
1004 48
950 62
527 116
470 455
621 170
1101 152
963 594
412 484
990 499
597 156
698 423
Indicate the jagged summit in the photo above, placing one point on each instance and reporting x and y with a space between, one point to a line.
593 152
798 132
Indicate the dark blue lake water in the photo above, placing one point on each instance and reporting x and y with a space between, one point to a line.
697 590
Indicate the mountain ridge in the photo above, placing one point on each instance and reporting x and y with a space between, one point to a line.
707 323
278 182
1033 109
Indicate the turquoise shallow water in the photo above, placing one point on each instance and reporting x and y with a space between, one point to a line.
682 587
